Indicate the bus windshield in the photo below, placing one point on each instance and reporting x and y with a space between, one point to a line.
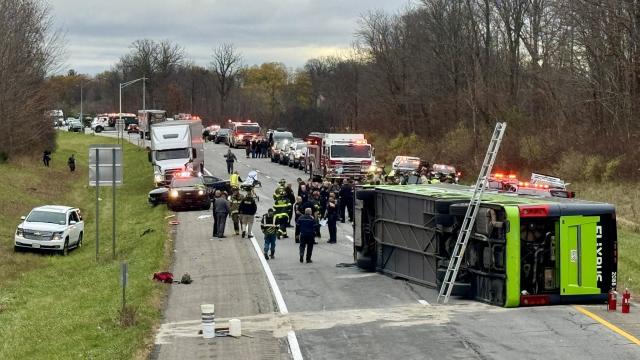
252 129
351 151
172 154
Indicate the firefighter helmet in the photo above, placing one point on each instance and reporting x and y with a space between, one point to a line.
282 182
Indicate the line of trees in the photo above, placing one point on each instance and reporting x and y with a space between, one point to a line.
430 81
29 50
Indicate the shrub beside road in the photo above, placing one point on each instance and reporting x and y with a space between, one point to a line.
54 307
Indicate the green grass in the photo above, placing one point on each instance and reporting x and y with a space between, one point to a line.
626 198
55 307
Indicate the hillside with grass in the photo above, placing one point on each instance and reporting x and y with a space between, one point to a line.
56 307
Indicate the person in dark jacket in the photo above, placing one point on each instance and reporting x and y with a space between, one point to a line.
46 157
248 209
247 147
307 225
72 163
291 198
231 157
331 214
222 208
346 201
270 230
298 210
303 192
216 196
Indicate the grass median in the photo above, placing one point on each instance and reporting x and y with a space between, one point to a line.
55 307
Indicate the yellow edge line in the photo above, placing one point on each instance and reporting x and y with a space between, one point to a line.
609 325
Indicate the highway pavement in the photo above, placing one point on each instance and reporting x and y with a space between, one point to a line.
332 310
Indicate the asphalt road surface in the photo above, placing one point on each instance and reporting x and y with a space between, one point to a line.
330 310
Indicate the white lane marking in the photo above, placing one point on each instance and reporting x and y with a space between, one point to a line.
294 346
267 176
349 237
424 302
291 335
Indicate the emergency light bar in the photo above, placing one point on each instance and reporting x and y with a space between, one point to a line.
548 180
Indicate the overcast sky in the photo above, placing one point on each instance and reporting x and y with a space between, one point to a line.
97 33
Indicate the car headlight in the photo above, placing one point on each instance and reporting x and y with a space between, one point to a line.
174 193
158 178
19 232
57 235
200 192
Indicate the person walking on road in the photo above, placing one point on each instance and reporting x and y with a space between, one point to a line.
231 157
307 225
46 157
216 196
247 147
72 163
270 230
331 215
248 209
222 209
298 210
234 205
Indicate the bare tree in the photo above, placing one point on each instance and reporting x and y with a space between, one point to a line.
226 65
29 50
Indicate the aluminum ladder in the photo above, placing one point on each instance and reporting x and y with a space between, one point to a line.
470 216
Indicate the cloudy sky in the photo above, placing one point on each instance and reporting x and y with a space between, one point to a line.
97 33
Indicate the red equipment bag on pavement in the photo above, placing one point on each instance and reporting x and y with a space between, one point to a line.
165 277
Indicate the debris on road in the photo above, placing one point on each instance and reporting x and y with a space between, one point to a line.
170 216
174 222
204 216
163 276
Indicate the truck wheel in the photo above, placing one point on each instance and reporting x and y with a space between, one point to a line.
99 129
207 207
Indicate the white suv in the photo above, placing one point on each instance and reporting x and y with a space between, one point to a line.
50 227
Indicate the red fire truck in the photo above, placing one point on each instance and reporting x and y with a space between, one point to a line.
338 155
241 131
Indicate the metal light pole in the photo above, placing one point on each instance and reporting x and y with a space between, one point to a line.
81 118
122 86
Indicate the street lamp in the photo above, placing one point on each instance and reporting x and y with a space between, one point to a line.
122 86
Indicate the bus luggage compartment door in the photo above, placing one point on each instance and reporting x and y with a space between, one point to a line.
578 272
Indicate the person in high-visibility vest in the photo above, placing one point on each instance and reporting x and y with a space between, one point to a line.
235 180
281 207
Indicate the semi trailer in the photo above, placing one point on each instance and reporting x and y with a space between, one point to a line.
524 250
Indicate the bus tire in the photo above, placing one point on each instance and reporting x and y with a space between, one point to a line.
459 209
365 262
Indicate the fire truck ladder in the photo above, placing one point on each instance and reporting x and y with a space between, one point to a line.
470 216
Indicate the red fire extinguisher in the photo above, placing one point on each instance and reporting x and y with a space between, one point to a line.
613 298
626 298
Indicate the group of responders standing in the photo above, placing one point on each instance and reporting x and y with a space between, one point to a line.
242 209
317 202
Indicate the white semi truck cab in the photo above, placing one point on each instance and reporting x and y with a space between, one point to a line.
176 146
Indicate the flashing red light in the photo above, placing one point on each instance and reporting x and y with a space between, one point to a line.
520 183
532 300
459 174
529 211
335 162
365 162
498 175
512 176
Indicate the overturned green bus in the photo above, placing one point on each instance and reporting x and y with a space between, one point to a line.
524 250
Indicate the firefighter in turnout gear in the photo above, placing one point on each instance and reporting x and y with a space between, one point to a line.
282 208
234 202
